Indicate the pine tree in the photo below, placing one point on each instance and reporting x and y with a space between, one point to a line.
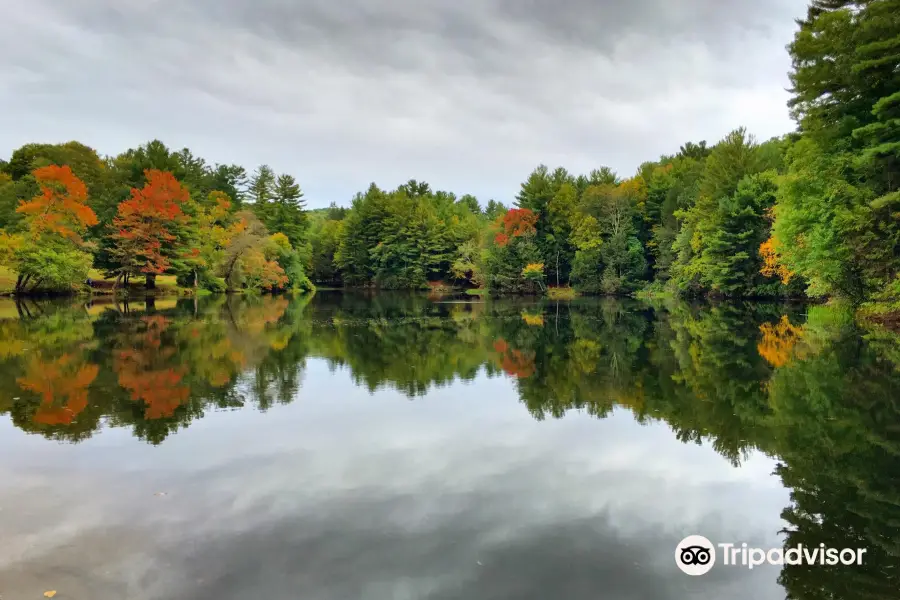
261 190
286 214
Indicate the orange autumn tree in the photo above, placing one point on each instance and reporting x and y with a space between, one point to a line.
768 251
61 207
51 251
143 230
249 255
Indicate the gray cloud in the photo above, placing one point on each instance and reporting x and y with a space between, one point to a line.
469 95
343 494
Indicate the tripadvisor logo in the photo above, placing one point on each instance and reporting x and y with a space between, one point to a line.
696 555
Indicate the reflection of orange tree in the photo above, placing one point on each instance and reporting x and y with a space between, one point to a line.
514 362
142 371
233 338
267 311
778 341
62 385
254 330
210 352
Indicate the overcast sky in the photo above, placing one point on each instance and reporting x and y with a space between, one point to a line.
468 95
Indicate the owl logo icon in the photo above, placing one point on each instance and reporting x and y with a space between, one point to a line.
695 555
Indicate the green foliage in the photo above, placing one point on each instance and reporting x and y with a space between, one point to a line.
717 248
51 265
836 217
471 203
819 214
325 238
467 266
286 215
587 270
291 262
494 210
11 192
504 265
216 285
261 189
404 238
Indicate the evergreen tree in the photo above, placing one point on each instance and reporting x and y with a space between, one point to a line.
262 190
286 215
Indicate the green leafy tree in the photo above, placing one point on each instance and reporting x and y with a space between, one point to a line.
843 176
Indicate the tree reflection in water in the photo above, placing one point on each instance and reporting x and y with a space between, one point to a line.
811 387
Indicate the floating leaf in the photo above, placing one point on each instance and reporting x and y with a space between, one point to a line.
50 594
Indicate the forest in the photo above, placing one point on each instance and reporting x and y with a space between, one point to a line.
813 213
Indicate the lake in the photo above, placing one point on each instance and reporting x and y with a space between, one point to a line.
400 446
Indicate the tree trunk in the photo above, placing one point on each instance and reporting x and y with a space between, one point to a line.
195 282
19 283
557 268
150 283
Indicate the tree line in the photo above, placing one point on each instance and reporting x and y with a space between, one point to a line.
813 212
147 212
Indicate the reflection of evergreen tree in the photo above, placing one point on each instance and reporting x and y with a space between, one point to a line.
411 345
717 372
584 356
836 427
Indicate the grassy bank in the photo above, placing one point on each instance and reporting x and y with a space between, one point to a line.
562 293
165 284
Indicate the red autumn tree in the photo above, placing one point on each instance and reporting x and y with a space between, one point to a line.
516 223
519 221
61 207
143 235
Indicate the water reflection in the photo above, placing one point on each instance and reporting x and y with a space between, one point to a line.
809 387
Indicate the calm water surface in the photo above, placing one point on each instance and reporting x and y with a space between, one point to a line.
401 447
